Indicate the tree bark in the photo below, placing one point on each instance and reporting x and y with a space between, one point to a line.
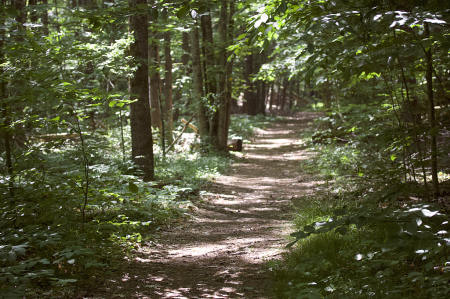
272 92
248 94
45 18
222 115
168 84
153 76
198 82
209 73
432 116
187 49
140 118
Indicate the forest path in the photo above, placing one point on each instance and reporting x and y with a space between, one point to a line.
240 224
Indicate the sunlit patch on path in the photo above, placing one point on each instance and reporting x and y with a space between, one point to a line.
241 222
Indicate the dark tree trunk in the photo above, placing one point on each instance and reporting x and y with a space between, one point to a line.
168 84
153 76
187 50
272 92
209 74
432 116
198 82
283 99
224 106
249 92
140 118
45 18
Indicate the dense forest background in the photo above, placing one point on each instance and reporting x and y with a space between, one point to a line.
96 156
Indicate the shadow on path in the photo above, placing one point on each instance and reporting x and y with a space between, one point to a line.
240 224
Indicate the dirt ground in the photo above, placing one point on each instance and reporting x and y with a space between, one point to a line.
240 224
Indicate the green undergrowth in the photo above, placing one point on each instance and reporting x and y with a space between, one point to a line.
79 208
364 231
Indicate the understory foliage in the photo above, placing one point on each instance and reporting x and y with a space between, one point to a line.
378 225
365 231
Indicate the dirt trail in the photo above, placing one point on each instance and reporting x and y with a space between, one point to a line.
242 223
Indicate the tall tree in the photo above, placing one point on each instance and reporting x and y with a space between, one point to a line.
140 118
168 107
198 82
153 54
249 96
221 135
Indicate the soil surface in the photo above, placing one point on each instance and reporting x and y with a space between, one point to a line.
241 223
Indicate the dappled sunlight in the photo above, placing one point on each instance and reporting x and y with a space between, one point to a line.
238 224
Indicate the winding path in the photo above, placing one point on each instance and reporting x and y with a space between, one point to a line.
240 224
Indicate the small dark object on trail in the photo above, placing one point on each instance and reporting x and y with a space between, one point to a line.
235 145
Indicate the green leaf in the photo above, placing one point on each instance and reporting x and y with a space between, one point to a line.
342 230
12 256
183 11
20 249
393 157
340 212
242 36
310 48
309 229
360 174
72 184
299 235
291 244
112 103
133 188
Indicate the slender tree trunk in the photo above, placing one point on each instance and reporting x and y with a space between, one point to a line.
168 84
222 115
45 18
198 82
291 91
33 15
6 121
210 75
283 99
248 94
229 80
432 116
187 50
140 118
272 92
153 76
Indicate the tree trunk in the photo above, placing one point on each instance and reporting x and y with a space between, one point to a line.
140 118
229 80
432 116
186 48
44 18
272 92
198 82
6 121
248 94
168 85
153 76
210 74
222 114
283 98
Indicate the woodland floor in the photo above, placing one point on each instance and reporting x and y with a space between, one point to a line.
242 223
